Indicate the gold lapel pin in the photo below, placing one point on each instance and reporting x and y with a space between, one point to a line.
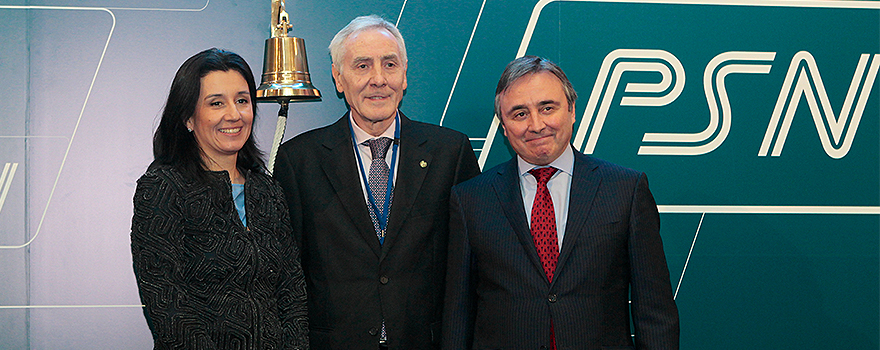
423 164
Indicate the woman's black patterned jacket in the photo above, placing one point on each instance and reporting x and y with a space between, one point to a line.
207 281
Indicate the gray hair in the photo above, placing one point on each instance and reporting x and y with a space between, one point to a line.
527 65
360 24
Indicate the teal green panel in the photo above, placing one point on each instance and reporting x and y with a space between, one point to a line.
753 281
732 174
777 281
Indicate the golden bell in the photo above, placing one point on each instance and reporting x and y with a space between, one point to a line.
285 67
286 71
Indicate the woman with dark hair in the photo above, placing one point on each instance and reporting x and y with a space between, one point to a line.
214 258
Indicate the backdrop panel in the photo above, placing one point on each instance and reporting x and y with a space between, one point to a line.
757 122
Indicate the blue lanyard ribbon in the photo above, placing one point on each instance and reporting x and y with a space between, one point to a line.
381 215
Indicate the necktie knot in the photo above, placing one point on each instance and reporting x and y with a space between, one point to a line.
379 146
543 174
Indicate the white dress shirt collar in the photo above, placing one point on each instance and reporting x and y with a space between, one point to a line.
565 163
360 135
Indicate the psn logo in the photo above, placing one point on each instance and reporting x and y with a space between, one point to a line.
803 82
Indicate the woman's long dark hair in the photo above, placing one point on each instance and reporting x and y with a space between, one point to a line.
173 144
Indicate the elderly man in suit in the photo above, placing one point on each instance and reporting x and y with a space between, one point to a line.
369 201
547 250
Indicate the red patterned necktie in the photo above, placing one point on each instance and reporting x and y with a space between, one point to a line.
543 228
543 223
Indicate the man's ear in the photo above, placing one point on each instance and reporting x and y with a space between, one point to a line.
404 78
336 74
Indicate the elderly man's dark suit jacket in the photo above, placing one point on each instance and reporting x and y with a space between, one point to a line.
498 297
352 281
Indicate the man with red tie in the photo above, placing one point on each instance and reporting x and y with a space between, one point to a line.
554 249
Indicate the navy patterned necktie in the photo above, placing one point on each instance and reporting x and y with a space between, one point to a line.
378 181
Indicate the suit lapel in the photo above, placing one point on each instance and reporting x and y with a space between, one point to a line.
342 172
510 196
584 184
410 176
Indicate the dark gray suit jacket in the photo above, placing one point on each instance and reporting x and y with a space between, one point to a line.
353 283
498 297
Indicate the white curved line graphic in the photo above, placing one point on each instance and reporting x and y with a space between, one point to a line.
12 307
686 261
461 65
82 110
769 209
400 15
88 93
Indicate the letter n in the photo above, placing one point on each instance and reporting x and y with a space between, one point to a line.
803 80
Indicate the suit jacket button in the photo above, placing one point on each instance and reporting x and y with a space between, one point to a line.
374 331
383 280
552 298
